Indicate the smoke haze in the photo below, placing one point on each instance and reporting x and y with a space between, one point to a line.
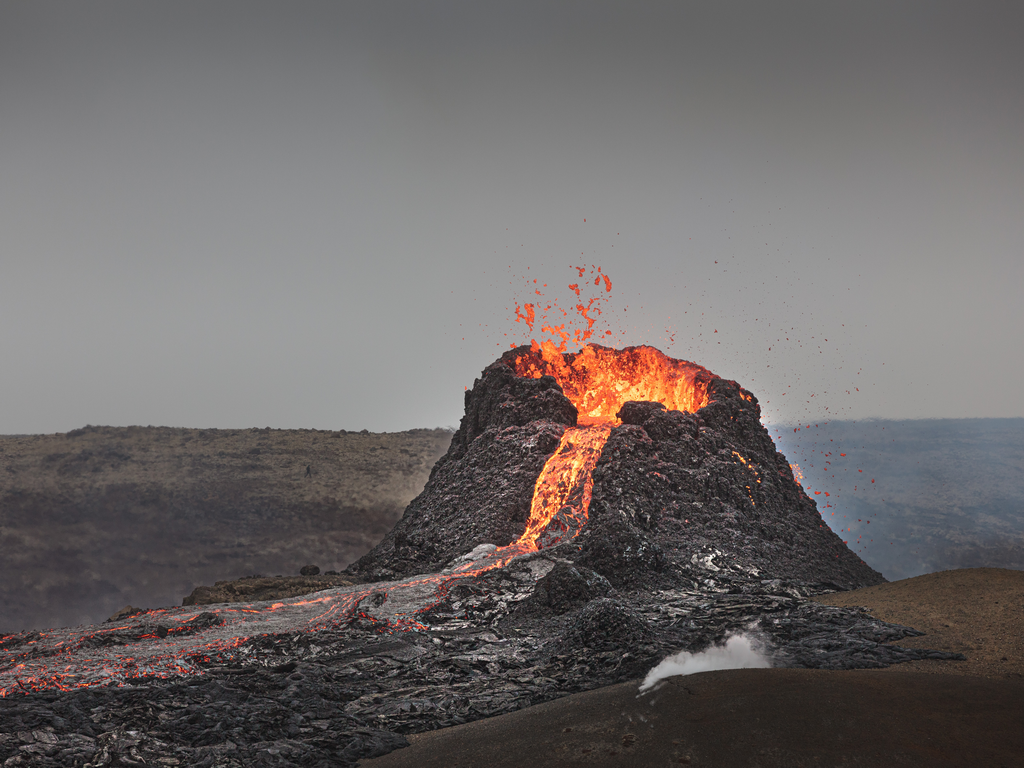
913 497
738 652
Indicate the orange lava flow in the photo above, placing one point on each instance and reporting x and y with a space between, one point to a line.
561 496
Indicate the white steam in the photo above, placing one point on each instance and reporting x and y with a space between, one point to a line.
739 652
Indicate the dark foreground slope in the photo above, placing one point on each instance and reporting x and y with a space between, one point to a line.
748 718
104 516
922 713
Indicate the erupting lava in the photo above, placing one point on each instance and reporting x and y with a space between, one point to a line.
561 496
598 381
571 330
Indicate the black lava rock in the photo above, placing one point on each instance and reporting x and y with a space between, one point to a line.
565 588
668 486
606 624
638 411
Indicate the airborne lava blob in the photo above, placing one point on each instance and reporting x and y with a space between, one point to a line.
577 326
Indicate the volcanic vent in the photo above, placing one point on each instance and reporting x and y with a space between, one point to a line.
638 466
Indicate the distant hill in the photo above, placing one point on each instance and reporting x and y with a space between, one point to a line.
101 517
947 493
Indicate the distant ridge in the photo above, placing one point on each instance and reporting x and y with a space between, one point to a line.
102 517
948 493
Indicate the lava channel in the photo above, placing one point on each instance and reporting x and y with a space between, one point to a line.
561 497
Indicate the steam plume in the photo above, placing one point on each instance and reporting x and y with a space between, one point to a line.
739 652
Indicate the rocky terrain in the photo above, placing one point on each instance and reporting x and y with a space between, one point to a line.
925 713
102 517
948 495
255 589
494 645
697 529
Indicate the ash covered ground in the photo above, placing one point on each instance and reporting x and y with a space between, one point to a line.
696 530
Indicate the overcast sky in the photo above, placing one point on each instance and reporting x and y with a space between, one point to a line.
235 214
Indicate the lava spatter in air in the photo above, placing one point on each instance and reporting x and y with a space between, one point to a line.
562 326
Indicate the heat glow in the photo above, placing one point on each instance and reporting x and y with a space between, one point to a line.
598 381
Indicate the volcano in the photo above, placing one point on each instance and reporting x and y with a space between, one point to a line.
596 512
633 464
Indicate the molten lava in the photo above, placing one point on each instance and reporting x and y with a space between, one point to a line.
598 380
561 496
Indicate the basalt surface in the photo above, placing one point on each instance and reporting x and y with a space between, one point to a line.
696 530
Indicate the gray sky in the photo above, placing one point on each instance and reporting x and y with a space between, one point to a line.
233 214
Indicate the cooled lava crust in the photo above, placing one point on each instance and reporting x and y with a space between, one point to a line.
688 480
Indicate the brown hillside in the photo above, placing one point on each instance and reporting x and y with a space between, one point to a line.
973 611
103 516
